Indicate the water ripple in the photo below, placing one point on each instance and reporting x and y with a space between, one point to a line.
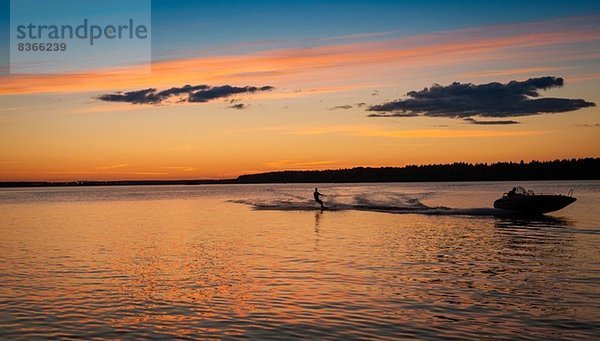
200 267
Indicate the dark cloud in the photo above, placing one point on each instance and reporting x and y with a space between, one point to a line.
223 91
136 97
239 106
485 100
500 122
183 90
395 114
360 105
189 93
344 107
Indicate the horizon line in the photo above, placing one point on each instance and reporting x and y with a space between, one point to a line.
236 178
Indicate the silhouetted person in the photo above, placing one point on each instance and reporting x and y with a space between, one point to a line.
316 194
512 193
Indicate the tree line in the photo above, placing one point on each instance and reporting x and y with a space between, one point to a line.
568 169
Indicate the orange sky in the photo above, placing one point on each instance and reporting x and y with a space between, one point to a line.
53 128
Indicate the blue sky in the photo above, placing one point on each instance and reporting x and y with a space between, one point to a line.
196 25
202 24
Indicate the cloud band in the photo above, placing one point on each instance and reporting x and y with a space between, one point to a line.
188 93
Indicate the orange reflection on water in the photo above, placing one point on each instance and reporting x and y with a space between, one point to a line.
145 262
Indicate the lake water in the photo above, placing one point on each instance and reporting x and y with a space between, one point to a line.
406 260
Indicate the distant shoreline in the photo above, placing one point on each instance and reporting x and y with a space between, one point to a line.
571 169
568 169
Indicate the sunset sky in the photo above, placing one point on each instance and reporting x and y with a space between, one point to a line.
313 85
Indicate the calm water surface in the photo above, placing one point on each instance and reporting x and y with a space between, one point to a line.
387 261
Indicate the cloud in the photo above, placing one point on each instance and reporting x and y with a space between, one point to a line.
187 93
137 97
224 91
501 122
360 105
239 106
344 107
596 125
515 98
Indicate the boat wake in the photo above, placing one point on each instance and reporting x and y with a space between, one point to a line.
385 202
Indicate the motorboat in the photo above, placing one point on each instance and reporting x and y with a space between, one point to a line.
519 200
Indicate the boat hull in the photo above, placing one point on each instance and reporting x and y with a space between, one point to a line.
533 204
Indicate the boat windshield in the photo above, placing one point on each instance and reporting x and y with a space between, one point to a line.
519 191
